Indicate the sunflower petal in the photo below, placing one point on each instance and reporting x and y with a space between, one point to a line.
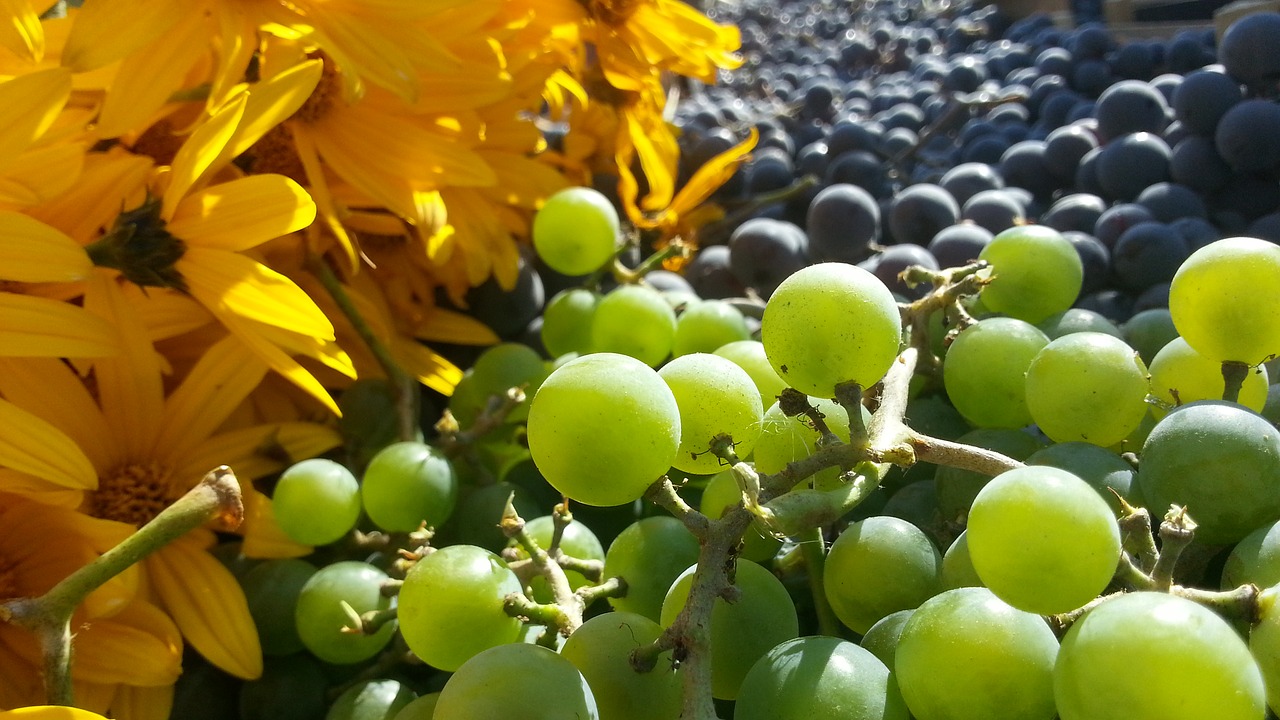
39 327
426 365
272 101
448 326
28 106
143 703
33 446
201 150
102 34
263 537
208 605
224 376
279 361
258 451
20 31
52 391
41 173
34 252
140 645
243 213
231 284
19 683
714 173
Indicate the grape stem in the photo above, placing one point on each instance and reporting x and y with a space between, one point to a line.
813 550
1233 376
663 494
1135 535
403 385
454 441
1176 532
216 498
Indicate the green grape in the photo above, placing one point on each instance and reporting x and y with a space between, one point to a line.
475 520
831 323
1148 331
577 541
1087 386
368 421
985 371
371 700
649 554
576 231
520 680
1035 272
467 401
316 502
451 605
706 325
957 488
879 566
1223 300
1104 470
715 397
818 677
749 355
271 589
422 708
1219 460
1192 665
601 650
957 565
319 617
917 503
787 439
882 638
722 493
967 654
934 416
634 320
408 484
1180 375
1271 410
1264 644
603 428
1042 540
505 366
741 632
1074 320
566 321
1255 559
291 688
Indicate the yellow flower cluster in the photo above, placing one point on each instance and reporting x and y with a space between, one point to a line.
172 175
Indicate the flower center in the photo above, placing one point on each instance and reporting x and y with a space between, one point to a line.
132 494
139 246
328 92
275 153
159 142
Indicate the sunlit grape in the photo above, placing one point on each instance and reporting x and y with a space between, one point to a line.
1223 300
576 230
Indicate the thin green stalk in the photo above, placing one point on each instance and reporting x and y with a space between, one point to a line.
813 549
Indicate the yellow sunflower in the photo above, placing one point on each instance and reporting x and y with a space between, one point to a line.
129 449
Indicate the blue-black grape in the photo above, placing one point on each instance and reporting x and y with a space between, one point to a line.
764 252
842 222
1130 106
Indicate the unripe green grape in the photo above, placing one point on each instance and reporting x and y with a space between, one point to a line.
879 566
1074 320
1180 375
519 680
1223 300
715 397
292 687
1255 559
818 677
319 616
1105 471
316 501
957 565
722 493
828 324
706 325
985 371
371 700
1042 540
1035 273
882 638
634 320
601 650
451 605
749 355
1192 664
1264 644
423 708
967 654
566 321
957 487
1148 331
578 541
271 588
475 520
576 231
1087 387
787 439
505 366
1219 460
408 484
649 554
603 428
763 616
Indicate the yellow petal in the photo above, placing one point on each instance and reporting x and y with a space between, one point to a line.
274 100
166 313
256 452
28 106
104 32
39 327
45 493
658 154
20 31
129 385
20 685
426 365
33 446
200 151
92 697
448 326
279 360
224 376
243 213
140 645
148 78
712 175
42 173
263 537
142 703
110 181
208 605
31 251
231 284
52 391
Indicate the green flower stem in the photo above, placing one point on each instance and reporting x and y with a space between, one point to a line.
49 616
813 548
404 386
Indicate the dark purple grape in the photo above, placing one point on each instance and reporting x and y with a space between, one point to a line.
769 170
1249 196
1079 212
897 258
1023 165
861 168
1118 218
1203 98
968 179
1248 136
1170 201
1114 305
985 149
1129 164
1156 296
959 244
1195 162
994 210
1063 149
846 136
920 211
1147 254
842 222
710 275
1091 77
1094 256
1196 232
1248 52
1130 106
764 252
1054 61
